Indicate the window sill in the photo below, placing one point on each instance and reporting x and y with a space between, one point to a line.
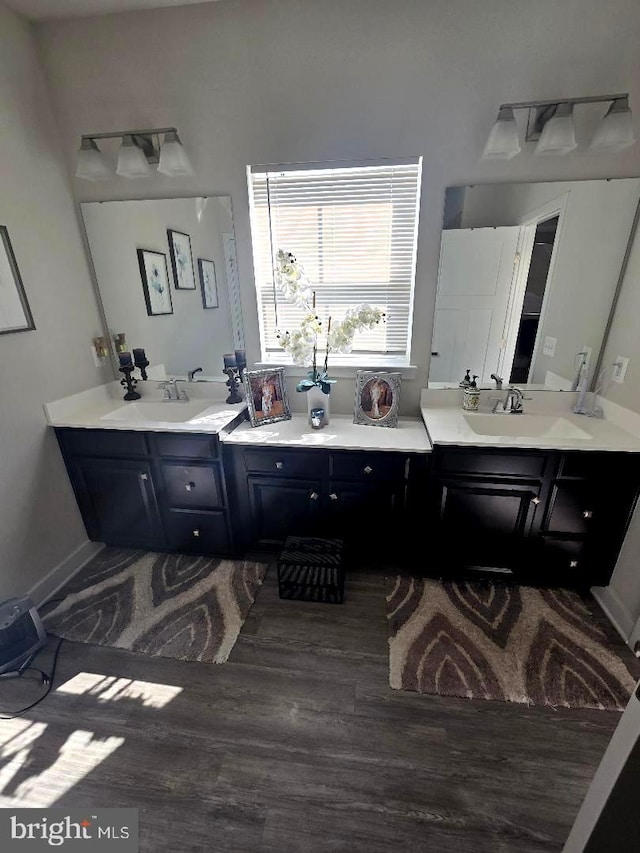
344 370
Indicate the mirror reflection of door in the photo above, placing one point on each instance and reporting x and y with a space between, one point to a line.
474 285
537 278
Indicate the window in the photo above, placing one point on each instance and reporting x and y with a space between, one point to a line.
354 230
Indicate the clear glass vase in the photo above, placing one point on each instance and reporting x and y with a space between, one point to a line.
317 399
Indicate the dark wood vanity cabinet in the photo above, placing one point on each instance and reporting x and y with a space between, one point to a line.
164 491
547 517
360 496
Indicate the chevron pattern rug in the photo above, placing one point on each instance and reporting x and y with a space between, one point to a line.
171 605
510 643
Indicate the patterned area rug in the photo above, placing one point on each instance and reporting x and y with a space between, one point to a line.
512 643
171 605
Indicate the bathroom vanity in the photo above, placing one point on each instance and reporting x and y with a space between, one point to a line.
545 496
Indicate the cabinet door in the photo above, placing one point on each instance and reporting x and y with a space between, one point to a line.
572 506
354 507
118 501
281 507
485 524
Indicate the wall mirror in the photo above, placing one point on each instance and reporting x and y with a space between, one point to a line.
167 277
528 274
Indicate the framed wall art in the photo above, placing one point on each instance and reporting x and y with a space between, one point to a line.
15 314
266 395
377 398
208 284
155 282
181 260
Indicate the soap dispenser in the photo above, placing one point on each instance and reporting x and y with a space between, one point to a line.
471 397
466 381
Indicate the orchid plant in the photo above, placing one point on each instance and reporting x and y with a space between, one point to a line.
303 344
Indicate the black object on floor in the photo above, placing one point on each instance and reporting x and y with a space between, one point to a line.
310 569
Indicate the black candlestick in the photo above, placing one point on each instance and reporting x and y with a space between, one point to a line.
232 384
129 382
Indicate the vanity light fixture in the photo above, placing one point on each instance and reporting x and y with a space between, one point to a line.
140 150
550 124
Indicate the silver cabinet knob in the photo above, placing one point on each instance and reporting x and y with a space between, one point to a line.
367 469
587 514
314 496
333 496
196 533
535 501
144 476
188 487
279 465
573 564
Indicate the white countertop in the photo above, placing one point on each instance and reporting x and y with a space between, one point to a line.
104 408
409 436
448 424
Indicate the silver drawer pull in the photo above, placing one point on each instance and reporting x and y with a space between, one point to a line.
314 496
144 476
587 514
535 501
279 465
196 533
573 564
189 486
333 496
368 469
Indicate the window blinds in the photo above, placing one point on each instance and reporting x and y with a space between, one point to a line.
354 231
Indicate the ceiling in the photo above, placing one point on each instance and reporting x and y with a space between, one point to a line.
44 10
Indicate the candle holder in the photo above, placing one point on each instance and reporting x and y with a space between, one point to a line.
232 384
141 361
129 382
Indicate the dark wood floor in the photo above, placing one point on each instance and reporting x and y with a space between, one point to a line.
297 745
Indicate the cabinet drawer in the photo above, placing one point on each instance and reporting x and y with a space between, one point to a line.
199 532
185 446
192 486
367 467
572 508
286 463
483 463
102 442
564 554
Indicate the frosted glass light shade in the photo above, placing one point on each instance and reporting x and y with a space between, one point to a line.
558 135
173 157
92 164
503 143
615 131
132 162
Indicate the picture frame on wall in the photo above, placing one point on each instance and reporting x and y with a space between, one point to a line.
15 313
208 284
155 282
266 395
181 260
377 398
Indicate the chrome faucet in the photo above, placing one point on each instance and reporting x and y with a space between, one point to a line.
498 380
191 374
512 403
172 393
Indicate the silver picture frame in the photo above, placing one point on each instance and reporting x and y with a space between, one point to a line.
266 396
377 398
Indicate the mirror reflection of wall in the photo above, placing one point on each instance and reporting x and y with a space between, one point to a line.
192 335
527 277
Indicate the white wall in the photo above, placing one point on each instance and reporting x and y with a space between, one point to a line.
39 522
192 336
271 81
591 243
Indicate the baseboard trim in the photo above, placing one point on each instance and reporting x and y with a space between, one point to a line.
46 588
614 610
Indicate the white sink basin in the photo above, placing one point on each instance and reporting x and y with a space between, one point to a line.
152 412
548 427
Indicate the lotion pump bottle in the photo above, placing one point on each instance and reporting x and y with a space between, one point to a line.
471 397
